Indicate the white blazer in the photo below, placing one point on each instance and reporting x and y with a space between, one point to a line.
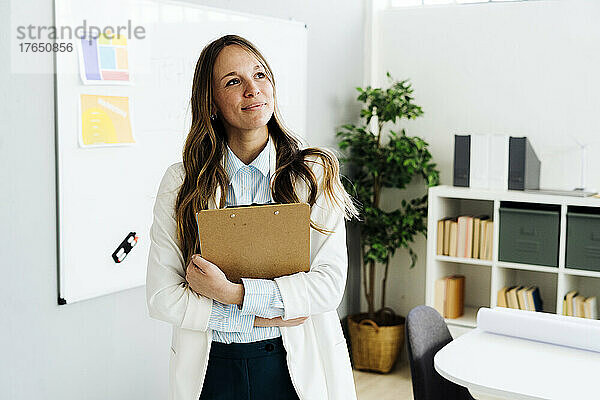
317 355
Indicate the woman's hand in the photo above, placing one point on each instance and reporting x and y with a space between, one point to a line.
278 321
206 279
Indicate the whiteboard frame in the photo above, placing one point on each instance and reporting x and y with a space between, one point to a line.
63 295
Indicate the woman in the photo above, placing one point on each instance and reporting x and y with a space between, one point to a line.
262 338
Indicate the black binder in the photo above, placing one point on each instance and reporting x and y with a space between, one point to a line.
462 160
523 165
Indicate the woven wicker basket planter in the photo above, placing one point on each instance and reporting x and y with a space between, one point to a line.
374 347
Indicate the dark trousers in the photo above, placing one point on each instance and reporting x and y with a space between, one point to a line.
248 371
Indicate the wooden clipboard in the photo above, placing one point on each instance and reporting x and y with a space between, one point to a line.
263 241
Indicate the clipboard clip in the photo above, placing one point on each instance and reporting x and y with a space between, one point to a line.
253 205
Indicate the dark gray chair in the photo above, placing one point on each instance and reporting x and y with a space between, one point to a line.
426 333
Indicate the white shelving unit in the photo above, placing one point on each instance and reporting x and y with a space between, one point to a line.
484 278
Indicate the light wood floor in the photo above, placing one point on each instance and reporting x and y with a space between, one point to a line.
393 386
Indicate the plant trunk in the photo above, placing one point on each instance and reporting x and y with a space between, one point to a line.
383 284
377 179
376 191
364 277
371 297
370 288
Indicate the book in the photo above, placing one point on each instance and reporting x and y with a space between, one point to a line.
490 238
462 158
439 301
455 290
528 295
498 162
486 238
501 302
482 239
477 221
511 297
476 233
469 238
440 237
535 300
523 165
449 296
479 161
586 311
591 308
453 241
447 224
465 237
579 301
574 305
522 299
569 300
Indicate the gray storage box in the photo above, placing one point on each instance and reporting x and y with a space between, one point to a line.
529 236
583 241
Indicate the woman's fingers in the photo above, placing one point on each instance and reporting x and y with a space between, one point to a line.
278 321
193 269
296 321
290 322
198 261
206 267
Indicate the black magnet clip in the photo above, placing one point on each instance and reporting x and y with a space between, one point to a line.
125 247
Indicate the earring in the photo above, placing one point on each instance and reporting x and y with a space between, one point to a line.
213 117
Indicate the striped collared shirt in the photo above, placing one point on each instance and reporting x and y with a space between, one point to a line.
248 184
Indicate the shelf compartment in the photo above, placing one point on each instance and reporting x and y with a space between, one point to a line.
460 260
582 272
527 267
529 233
546 281
477 284
583 238
454 207
585 285
448 207
468 319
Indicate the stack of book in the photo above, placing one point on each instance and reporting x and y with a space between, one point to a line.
465 236
520 297
576 305
449 296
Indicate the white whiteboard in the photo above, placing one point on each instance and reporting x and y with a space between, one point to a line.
106 192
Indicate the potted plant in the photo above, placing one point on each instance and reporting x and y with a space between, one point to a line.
379 159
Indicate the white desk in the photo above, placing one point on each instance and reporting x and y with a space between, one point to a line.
495 367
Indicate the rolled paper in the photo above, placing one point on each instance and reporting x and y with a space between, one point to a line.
580 333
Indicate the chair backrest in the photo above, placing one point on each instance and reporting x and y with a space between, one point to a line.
426 333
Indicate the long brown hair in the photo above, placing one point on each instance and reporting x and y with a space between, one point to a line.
206 144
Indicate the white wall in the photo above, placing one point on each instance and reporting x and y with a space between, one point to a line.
521 69
107 348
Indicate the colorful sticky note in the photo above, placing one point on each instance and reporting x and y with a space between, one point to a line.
105 120
104 60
